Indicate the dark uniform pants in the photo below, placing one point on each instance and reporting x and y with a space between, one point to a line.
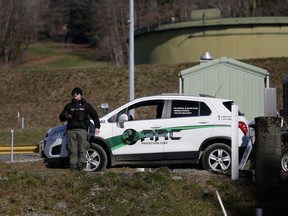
77 146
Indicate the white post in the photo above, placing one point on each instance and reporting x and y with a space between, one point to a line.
180 84
22 123
234 146
18 115
131 52
12 145
131 60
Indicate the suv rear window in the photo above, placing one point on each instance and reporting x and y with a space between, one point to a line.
182 108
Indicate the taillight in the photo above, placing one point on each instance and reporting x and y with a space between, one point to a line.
243 127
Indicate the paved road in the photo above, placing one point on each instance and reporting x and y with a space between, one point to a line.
20 157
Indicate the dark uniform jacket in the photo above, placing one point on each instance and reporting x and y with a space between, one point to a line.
77 114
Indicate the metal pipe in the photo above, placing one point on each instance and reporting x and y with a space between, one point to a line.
221 204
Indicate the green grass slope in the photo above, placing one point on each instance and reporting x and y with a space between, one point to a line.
39 96
31 189
39 86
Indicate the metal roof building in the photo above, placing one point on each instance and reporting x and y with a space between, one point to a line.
230 79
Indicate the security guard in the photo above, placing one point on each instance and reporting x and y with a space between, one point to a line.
77 113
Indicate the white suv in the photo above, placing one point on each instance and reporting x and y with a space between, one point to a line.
163 130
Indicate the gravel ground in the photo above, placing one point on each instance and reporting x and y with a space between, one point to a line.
19 157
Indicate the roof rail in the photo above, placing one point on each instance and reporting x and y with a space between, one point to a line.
181 94
206 95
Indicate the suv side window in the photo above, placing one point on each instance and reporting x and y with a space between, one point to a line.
228 105
181 108
204 109
146 110
152 109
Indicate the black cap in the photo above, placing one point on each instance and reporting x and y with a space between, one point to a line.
76 90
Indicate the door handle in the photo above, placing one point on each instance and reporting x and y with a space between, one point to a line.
156 126
203 122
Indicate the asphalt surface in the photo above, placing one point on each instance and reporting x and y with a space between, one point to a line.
7 158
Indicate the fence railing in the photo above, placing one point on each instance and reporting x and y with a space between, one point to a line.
20 149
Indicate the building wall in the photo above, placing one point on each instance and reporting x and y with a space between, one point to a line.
240 84
241 38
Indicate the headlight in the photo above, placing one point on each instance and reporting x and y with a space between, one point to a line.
57 135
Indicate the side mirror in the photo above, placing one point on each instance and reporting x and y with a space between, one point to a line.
122 118
104 107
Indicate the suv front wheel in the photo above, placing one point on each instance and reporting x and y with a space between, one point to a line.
217 157
284 160
96 158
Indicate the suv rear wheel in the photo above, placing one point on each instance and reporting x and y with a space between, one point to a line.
96 158
216 157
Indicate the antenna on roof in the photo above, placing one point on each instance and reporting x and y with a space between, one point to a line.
218 91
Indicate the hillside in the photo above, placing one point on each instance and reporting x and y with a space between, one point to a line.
39 93
39 96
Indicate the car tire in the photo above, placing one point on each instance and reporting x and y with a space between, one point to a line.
217 157
96 158
284 159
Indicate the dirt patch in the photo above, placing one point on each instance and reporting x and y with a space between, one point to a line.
38 61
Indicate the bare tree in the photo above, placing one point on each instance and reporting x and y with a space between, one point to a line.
248 8
17 21
112 26
183 9
107 21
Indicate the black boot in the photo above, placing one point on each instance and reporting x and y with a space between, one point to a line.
73 167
